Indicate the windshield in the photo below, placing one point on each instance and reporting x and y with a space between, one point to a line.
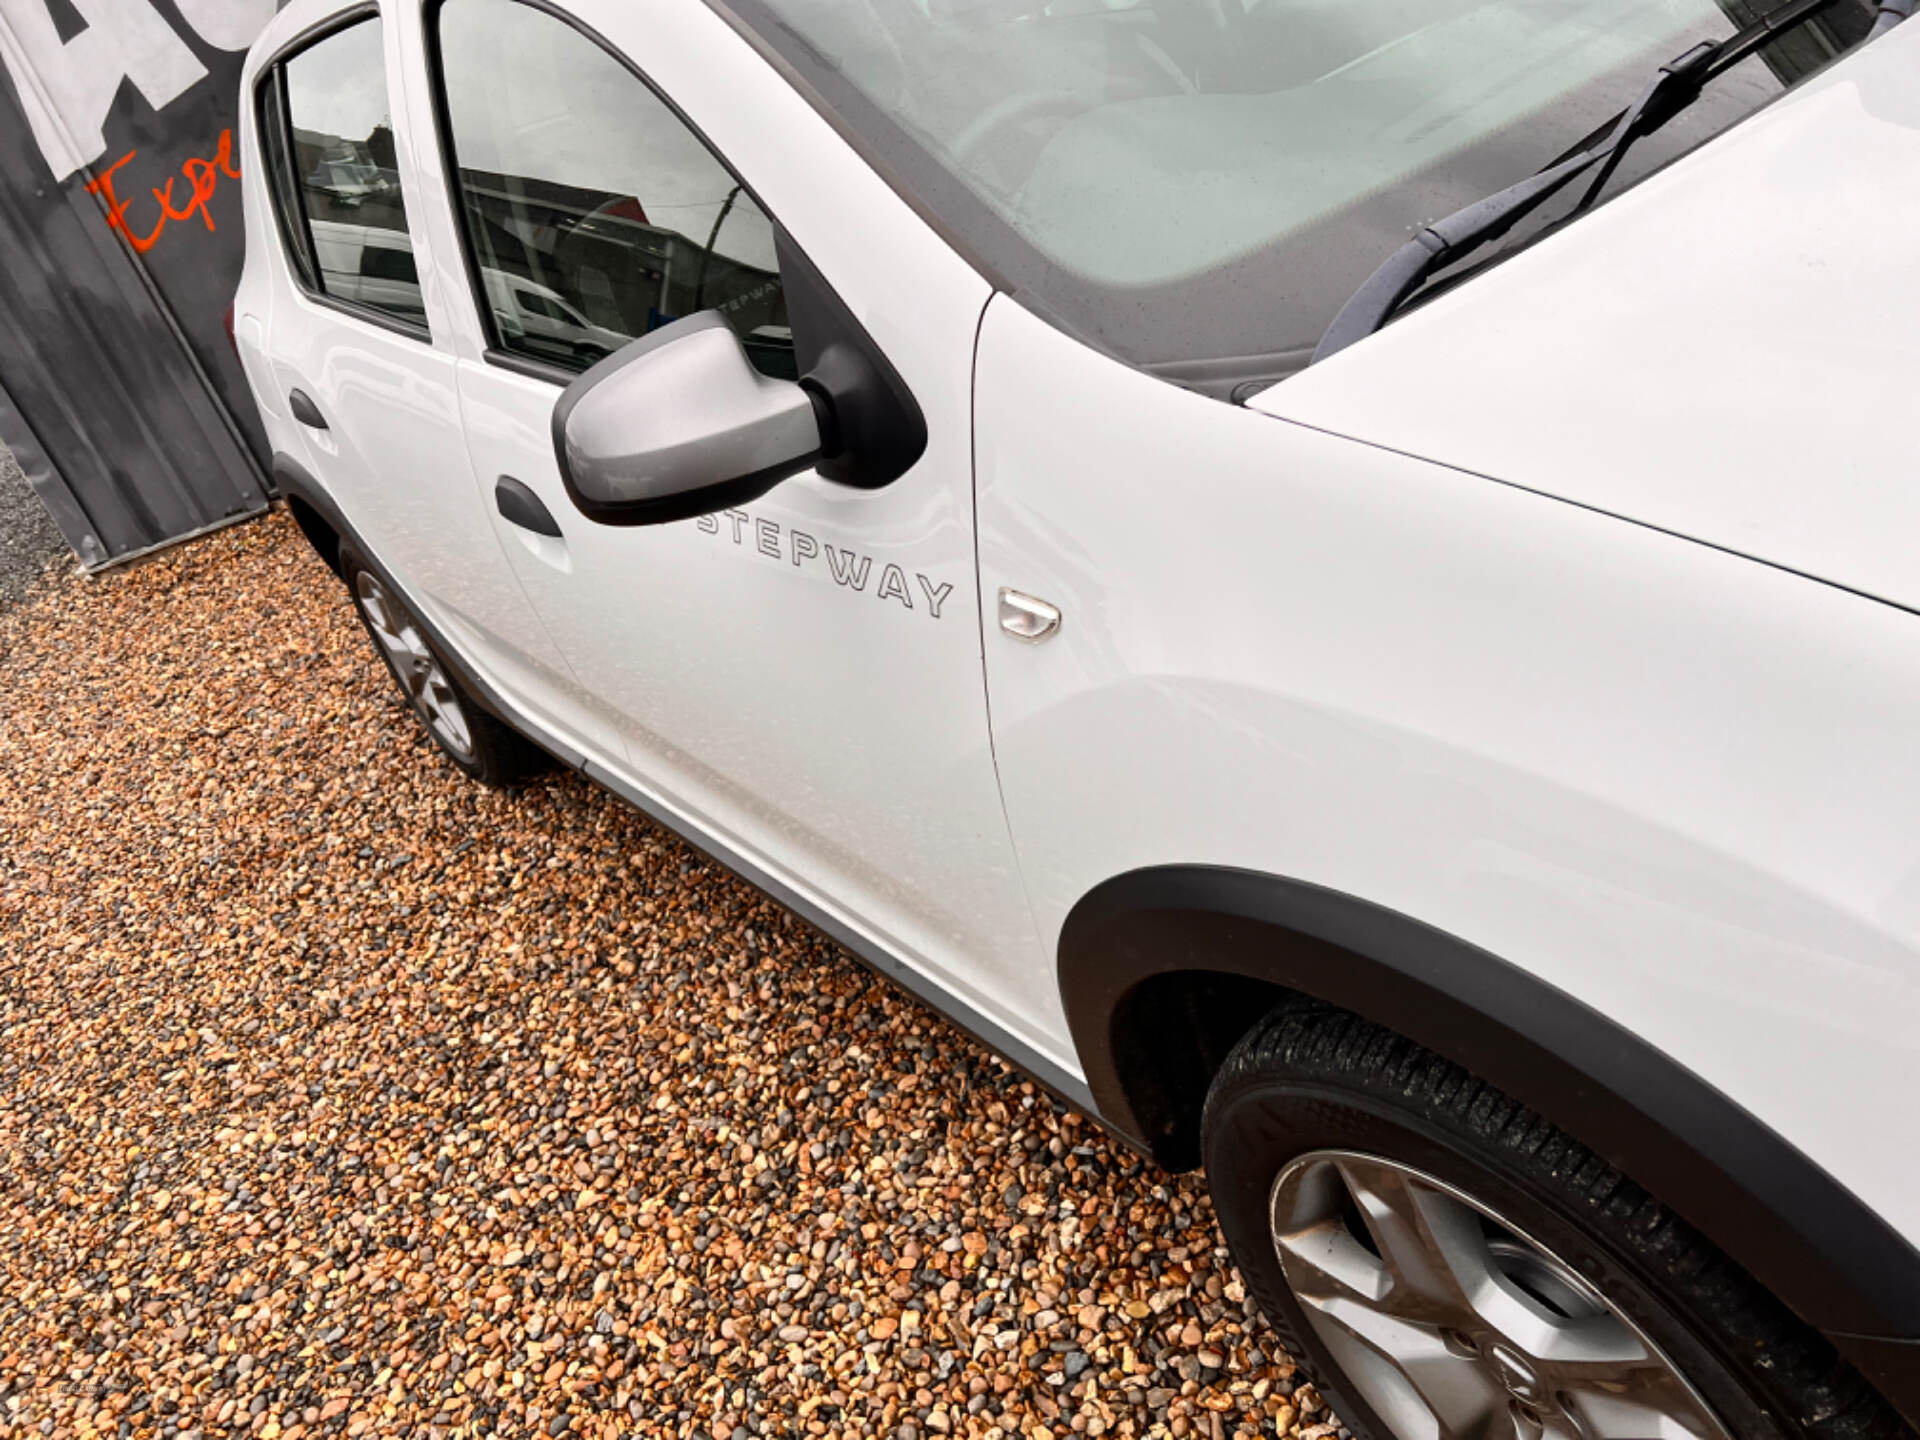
1198 185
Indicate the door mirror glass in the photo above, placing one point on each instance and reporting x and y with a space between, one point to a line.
679 423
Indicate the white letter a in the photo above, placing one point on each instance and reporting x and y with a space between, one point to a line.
67 88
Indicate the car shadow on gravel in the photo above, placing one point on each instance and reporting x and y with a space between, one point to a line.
341 1096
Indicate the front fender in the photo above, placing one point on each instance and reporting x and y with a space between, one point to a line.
1787 1221
1667 785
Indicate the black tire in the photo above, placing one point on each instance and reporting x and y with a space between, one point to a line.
492 753
1311 1078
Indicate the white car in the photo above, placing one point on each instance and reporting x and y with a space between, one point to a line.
527 311
367 265
1456 778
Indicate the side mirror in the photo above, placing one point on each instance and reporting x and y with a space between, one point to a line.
679 423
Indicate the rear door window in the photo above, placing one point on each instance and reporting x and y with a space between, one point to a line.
328 134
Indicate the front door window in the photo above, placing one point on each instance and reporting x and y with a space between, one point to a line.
593 212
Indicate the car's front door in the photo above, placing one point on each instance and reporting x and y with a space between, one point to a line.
799 677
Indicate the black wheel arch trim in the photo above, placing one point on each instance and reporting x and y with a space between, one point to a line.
1450 996
1794 1227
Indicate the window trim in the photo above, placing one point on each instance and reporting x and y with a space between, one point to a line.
871 154
528 366
495 352
273 73
270 119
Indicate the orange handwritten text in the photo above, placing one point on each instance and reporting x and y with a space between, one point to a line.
202 177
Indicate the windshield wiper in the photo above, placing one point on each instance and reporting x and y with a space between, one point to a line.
1677 85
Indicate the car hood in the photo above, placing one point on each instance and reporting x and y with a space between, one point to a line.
1729 351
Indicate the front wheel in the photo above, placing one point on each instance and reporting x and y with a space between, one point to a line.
1446 1263
476 742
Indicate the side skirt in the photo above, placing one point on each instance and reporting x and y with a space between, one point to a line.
1068 1088
875 957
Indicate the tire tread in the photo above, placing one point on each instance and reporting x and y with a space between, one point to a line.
1802 1376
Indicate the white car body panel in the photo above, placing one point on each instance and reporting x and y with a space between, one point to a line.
1675 784
1728 351
1595 738
393 450
835 737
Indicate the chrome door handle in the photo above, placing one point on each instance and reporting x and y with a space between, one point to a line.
1027 617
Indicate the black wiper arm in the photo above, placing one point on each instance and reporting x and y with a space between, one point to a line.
1681 81
1438 245
1675 86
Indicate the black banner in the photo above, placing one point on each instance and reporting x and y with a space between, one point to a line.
120 215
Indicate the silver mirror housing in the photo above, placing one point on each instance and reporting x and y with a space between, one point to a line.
679 423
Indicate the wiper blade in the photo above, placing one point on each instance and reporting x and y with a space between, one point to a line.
1673 88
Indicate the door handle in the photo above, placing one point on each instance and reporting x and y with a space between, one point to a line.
520 506
305 411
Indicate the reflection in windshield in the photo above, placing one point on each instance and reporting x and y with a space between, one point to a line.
1188 179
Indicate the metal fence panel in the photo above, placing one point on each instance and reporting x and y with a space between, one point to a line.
120 226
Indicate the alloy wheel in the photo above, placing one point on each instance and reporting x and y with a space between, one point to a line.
1448 1320
421 676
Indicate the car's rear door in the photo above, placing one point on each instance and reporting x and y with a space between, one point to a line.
800 679
366 346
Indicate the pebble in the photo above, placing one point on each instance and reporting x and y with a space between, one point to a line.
30 544
341 1096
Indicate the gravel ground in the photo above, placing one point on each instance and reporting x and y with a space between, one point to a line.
29 543
338 1095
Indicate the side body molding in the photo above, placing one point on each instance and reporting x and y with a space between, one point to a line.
1137 951
324 524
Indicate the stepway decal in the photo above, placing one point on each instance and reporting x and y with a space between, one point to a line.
850 569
